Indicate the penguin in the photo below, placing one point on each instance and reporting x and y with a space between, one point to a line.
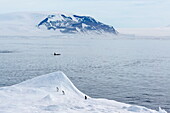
57 89
63 92
85 97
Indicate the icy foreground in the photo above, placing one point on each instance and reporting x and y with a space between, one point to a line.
39 95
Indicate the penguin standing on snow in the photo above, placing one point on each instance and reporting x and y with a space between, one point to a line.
57 89
85 97
63 92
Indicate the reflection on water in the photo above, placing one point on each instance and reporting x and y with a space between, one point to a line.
130 71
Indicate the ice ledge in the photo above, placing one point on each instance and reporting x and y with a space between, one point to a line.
40 95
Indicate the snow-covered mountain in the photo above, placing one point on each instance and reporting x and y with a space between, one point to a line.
44 94
48 23
75 23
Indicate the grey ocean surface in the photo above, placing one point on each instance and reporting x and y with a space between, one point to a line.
134 71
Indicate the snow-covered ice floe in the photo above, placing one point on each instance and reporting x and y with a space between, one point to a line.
43 94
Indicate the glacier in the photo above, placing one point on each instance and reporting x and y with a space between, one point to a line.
39 95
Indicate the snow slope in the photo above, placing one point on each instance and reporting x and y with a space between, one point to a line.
39 95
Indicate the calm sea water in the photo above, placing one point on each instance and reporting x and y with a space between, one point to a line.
135 71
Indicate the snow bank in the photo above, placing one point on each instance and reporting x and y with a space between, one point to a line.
40 95
51 81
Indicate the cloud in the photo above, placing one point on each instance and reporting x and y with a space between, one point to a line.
119 13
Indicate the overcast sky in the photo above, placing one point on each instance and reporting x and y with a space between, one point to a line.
119 13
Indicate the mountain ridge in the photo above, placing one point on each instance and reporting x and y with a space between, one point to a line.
75 23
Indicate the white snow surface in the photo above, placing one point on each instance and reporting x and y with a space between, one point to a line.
39 95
